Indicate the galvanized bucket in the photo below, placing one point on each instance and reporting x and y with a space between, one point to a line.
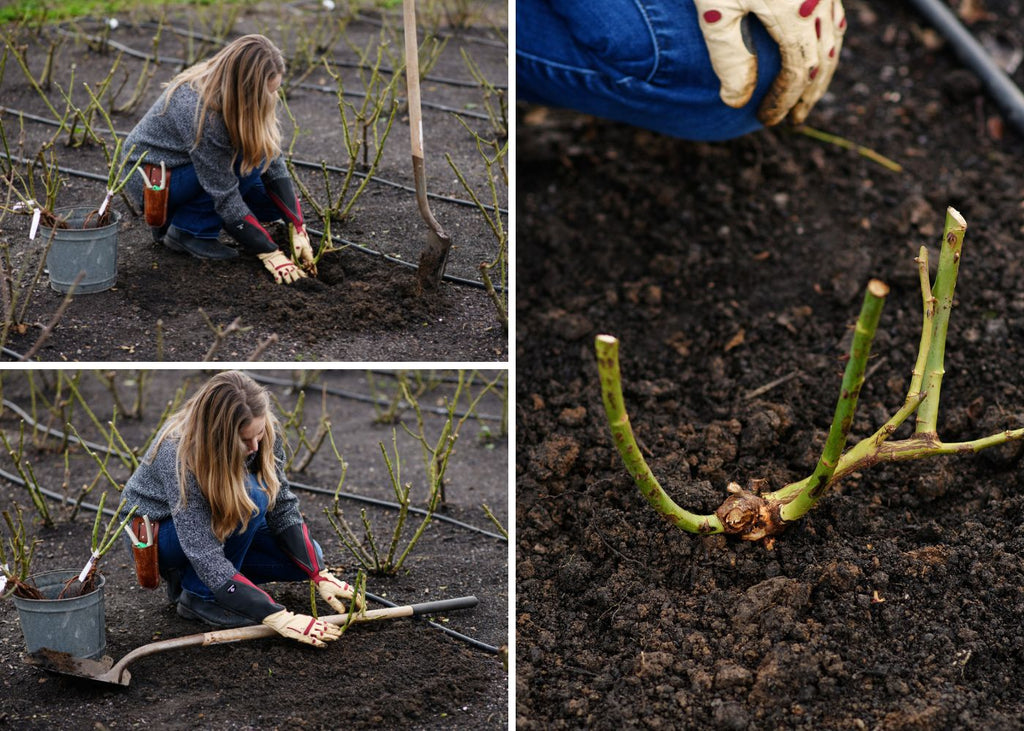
92 251
76 625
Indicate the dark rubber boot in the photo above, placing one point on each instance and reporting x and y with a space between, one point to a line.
177 240
159 232
172 581
196 608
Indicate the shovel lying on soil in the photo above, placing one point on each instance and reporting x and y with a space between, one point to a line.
434 255
105 671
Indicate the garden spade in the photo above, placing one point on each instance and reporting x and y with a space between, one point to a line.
434 255
106 671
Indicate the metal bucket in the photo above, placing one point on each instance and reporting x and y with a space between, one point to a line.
74 250
76 625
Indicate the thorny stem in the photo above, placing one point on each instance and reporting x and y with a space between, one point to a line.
221 333
349 539
401 496
107 436
927 318
370 539
21 464
17 567
942 292
494 519
622 433
101 462
873 444
801 496
848 145
59 313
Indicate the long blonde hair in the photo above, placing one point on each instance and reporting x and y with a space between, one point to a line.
208 429
234 83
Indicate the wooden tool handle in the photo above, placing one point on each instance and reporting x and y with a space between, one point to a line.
412 77
240 634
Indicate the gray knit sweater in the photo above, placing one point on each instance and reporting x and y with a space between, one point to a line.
154 489
169 135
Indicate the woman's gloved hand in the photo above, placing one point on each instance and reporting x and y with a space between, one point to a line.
303 628
283 268
333 591
809 34
302 248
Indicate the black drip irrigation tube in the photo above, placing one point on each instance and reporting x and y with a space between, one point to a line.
341 393
447 630
298 485
1006 94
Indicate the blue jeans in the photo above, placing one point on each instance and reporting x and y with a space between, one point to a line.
190 208
643 62
253 552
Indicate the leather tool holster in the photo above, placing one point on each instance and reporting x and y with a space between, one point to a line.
147 564
156 194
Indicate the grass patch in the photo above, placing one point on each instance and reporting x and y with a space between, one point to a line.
33 10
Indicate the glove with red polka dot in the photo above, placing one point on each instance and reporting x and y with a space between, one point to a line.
809 34
335 592
281 267
303 628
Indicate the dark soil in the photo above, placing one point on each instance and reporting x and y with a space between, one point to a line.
363 306
725 268
400 673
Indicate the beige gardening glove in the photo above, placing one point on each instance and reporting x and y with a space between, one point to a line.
809 34
283 268
303 628
302 249
333 590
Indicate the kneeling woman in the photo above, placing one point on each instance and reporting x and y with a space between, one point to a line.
227 520
216 133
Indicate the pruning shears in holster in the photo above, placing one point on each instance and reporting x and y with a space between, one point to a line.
155 193
143 533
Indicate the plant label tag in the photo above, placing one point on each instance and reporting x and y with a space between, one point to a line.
35 224
88 565
106 200
3 584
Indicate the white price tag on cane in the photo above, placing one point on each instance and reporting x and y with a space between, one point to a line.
106 200
88 566
36 213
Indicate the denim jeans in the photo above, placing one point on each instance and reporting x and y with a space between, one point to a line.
254 552
190 208
643 62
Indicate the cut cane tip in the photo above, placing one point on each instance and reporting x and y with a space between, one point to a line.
955 215
607 339
878 288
